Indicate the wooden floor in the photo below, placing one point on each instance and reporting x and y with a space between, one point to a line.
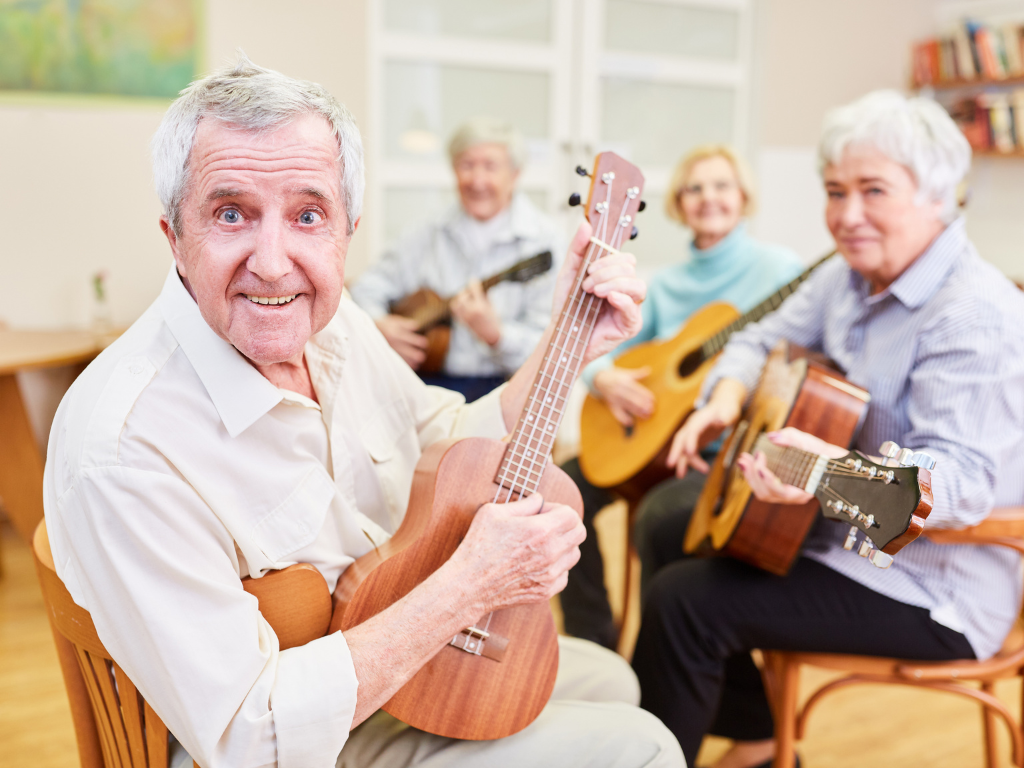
870 726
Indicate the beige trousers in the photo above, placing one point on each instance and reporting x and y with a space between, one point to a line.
592 721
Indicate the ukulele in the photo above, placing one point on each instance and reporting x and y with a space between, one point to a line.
886 503
434 314
632 459
493 678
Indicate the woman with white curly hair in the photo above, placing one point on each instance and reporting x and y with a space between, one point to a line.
910 312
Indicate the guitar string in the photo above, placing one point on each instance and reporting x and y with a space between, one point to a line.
533 422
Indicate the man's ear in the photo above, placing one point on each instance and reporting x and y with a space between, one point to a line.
356 225
172 240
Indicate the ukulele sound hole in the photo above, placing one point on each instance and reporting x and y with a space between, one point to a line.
691 363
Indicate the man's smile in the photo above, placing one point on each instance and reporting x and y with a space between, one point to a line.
270 299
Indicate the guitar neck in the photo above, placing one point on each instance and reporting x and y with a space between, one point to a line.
793 466
442 312
716 343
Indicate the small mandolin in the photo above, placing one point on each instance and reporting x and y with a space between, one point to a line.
632 459
434 314
887 504
494 677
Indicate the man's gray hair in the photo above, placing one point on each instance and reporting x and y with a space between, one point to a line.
489 130
253 99
914 132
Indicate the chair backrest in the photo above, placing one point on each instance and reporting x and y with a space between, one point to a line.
114 725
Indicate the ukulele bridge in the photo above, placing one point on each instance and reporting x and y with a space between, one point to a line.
480 642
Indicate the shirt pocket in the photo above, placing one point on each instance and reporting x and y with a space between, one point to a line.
296 521
384 430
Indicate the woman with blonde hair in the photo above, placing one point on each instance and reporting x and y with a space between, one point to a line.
711 193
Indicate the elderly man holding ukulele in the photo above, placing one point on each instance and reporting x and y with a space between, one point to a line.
252 418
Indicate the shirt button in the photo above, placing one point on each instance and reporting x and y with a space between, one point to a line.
135 368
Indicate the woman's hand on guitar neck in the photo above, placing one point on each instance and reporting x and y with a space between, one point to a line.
704 425
765 485
613 278
627 399
518 553
403 337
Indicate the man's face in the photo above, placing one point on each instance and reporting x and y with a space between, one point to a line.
264 235
873 214
486 180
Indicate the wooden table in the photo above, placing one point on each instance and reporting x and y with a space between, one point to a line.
21 465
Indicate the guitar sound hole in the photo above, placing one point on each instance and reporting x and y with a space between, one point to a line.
691 363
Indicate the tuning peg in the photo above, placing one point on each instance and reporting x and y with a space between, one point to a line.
851 538
574 199
889 450
923 460
634 233
582 171
879 559
643 204
865 548
904 457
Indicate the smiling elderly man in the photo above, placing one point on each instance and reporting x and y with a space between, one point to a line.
491 228
252 418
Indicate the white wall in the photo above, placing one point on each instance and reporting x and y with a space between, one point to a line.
76 193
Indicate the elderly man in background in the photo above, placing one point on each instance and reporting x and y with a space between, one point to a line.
911 313
491 228
253 418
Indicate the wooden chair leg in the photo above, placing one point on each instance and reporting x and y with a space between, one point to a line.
988 725
627 597
786 682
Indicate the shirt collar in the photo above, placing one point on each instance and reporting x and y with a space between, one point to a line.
239 392
928 272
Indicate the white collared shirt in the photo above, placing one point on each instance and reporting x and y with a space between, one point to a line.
174 469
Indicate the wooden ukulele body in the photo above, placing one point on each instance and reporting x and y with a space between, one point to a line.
631 460
458 694
431 312
793 392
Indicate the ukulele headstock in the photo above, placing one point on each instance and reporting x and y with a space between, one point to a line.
614 197
886 502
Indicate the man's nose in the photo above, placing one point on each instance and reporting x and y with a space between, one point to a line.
269 259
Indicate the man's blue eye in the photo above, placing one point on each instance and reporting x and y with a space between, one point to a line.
231 217
309 217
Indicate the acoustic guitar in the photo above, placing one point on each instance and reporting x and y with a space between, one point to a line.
887 504
493 678
633 458
434 314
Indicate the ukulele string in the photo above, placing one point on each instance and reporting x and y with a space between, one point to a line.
529 432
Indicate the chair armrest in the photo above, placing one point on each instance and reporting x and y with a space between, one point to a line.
1004 526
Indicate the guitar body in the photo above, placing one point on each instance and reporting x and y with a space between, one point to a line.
459 694
431 311
728 519
612 455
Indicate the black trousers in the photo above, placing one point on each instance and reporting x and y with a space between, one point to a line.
703 616
665 508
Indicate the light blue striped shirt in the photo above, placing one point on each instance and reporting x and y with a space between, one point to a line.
941 351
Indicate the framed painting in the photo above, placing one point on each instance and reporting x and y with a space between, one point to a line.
147 48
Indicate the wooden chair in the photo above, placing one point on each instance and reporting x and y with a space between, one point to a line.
781 670
114 726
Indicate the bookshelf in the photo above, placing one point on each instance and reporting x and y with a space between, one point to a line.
976 71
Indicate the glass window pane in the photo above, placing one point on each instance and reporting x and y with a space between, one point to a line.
672 30
656 123
424 103
496 19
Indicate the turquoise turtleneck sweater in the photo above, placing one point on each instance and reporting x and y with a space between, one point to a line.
737 270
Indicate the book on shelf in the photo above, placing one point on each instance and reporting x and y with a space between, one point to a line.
969 51
992 122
